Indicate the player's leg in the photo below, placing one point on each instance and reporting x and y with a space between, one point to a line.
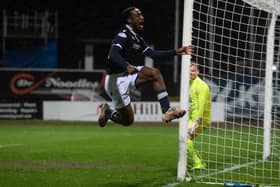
193 130
117 87
123 116
198 163
153 75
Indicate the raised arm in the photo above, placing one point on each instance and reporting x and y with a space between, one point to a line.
156 54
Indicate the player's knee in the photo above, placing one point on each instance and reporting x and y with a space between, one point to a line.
156 73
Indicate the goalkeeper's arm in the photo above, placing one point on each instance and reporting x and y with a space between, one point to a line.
202 102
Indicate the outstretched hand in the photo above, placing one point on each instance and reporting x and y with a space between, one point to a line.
184 50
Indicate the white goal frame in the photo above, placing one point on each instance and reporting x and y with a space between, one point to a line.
184 96
184 88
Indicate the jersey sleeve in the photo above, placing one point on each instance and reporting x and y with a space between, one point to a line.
116 58
115 51
203 99
120 40
143 45
194 113
156 54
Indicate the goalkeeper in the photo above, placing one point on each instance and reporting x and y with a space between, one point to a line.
199 113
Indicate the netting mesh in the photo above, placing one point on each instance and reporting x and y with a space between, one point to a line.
230 41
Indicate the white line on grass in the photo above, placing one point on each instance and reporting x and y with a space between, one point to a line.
231 169
171 184
10 145
218 172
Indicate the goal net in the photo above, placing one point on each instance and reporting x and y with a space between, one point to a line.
237 47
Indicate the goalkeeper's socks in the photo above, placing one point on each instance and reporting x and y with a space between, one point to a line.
163 100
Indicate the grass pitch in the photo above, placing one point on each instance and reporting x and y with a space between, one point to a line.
43 153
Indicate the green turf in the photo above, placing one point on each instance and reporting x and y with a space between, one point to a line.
240 151
42 153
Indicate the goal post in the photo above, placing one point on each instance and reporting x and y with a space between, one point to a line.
236 44
268 87
184 93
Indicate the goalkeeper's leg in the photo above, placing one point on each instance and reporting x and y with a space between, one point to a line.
193 130
198 163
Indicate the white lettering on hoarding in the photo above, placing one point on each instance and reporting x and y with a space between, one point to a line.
81 83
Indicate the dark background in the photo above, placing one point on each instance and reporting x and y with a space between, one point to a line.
90 20
84 20
80 21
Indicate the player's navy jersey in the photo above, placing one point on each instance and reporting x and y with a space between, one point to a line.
126 47
131 46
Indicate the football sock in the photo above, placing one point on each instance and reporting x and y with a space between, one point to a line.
109 112
163 100
115 116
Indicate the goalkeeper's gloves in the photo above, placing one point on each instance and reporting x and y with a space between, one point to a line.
197 121
194 126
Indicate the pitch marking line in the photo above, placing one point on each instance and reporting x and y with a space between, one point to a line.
171 184
10 145
223 171
231 169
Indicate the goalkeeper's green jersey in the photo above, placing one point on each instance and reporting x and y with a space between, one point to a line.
200 101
